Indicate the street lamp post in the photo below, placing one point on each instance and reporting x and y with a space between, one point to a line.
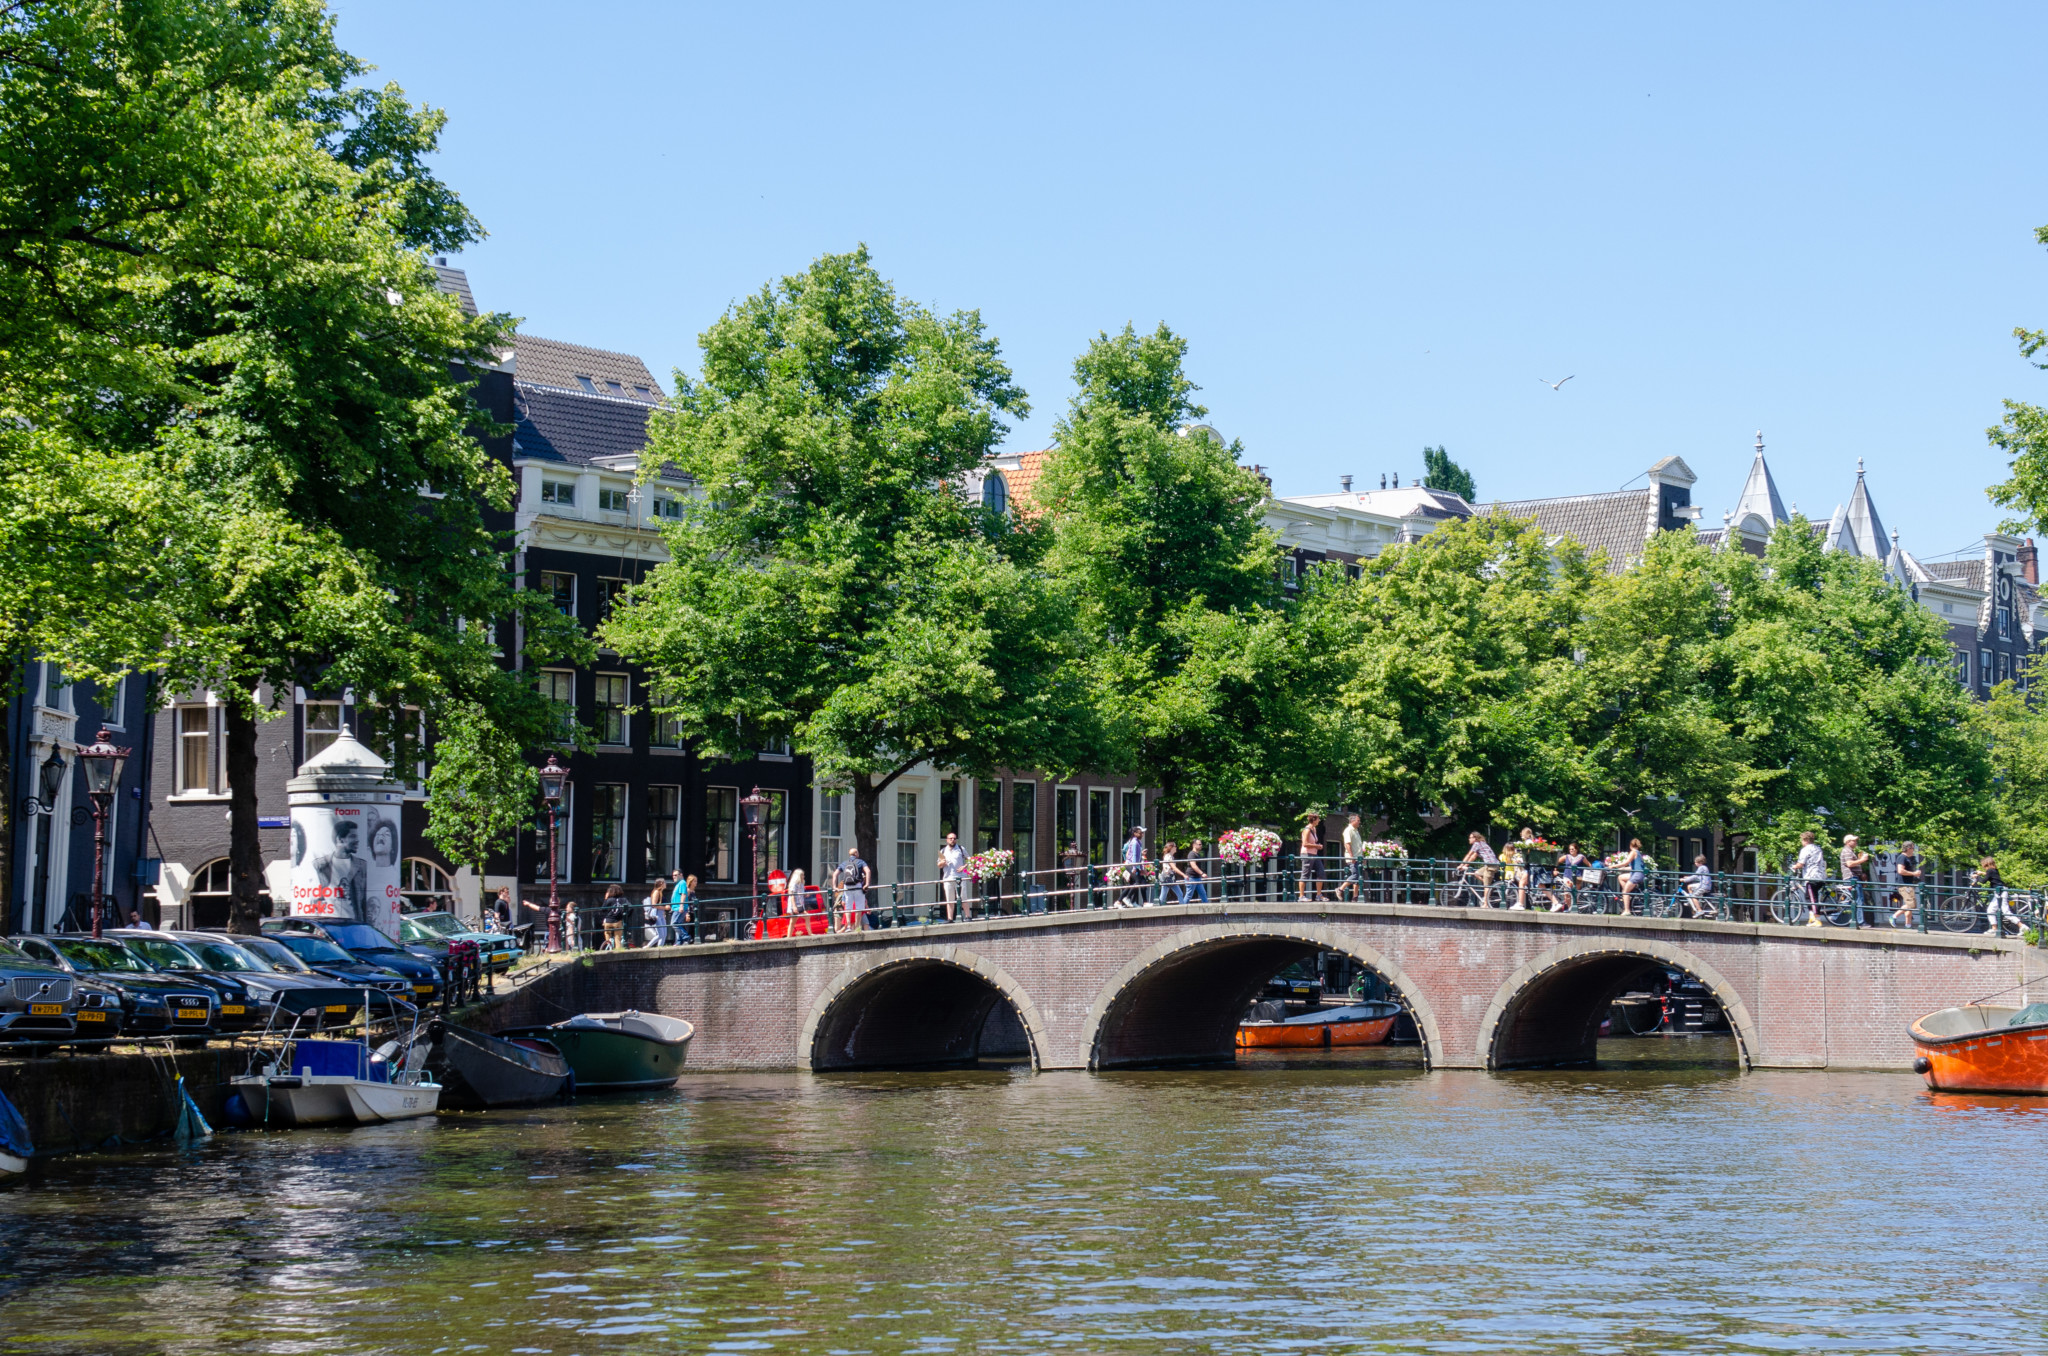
102 763
752 805
554 781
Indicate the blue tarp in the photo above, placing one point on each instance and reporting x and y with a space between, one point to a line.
342 1059
14 1130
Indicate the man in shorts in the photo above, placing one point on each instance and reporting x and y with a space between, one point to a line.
852 881
1910 873
952 871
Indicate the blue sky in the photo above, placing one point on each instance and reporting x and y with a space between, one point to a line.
1377 226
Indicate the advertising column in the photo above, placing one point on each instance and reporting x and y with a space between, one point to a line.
345 848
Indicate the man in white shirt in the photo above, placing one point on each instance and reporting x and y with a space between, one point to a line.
952 865
1354 856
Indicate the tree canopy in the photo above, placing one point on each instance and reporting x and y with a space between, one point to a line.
1439 472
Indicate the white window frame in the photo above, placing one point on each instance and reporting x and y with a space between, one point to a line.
562 492
665 861
603 710
206 734
831 822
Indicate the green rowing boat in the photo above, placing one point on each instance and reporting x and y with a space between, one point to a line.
619 1051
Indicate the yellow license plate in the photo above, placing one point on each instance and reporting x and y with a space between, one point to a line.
422 988
46 1009
232 1009
191 1014
337 1007
92 1016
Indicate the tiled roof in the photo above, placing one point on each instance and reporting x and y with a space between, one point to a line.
568 426
1412 501
1617 522
1968 573
1023 481
550 362
455 283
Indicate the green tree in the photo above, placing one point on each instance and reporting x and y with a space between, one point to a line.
1158 532
480 789
1439 472
2016 733
832 583
2023 436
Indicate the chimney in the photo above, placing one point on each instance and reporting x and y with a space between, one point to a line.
2030 563
1383 480
1397 480
1346 480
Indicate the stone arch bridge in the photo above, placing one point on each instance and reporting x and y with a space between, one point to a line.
1117 988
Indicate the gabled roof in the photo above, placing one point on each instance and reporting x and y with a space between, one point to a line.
1760 492
1968 573
1861 529
455 283
552 424
1617 522
572 367
1410 501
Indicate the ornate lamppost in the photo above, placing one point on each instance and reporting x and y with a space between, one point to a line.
554 783
102 762
752 806
50 780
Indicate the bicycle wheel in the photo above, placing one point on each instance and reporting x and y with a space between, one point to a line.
1956 913
1788 905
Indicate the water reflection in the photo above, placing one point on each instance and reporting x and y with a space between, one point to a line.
1657 1202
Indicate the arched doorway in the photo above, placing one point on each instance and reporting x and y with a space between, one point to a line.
1182 1001
920 1011
206 903
1557 1009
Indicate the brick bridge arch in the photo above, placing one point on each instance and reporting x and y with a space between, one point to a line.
1549 1010
1182 998
912 1006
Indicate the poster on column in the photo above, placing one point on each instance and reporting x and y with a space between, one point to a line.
345 864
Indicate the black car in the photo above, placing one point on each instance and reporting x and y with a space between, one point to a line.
269 978
238 1007
369 946
324 958
38 1001
152 1004
1301 982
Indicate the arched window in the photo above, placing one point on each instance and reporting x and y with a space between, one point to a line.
425 886
207 903
995 493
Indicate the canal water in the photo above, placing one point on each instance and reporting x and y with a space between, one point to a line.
1660 1203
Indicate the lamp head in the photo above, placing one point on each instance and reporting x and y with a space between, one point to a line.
554 781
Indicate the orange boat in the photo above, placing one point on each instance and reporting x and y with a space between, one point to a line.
1983 1048
1361 1024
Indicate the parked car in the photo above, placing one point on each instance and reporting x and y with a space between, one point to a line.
152 1004
38 1001
498 949
1301 982
371 947
267 978
237 1006
322 957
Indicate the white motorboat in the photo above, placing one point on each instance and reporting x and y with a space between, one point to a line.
330 1082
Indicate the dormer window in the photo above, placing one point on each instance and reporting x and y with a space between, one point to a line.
644 393
613 501
615 388
587 384
995 493
558 492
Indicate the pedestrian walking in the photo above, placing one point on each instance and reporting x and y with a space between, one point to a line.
1481 865
1812 869
1855 875
657 910
501 909
1133 869
1997 910
1525 867
1909 873
682 909
1354 858
853 880
1635 872
614 917
1196 891
1172 882
1312 856
952 870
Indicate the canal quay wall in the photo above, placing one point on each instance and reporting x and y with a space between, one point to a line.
1148 986
78 1102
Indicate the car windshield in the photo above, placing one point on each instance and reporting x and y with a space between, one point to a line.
90 955
223 956
11 951
163 953
279 955
314 951
359 937
432 927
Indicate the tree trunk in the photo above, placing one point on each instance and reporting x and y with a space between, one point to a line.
245 848
867 815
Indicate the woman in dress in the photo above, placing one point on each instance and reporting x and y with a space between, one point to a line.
657 910
1634 871
1568 868
1172 884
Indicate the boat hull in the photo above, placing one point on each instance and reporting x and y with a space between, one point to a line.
1971 1049
478 1072
1342 1027
11 1163
297 1100
619 1051
373 1102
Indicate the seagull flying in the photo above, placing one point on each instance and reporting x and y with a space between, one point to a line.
1553 385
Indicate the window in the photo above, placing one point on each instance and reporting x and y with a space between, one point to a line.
671 509
1670 850
608 831
112 698
906 836
776 749
1024 824
206 905
1962 666
667 732
558 492
988 815
721 832
587 384
195 750
772 845
2003 661
610 691
615 501
1098 827
323 727
949 810
56 688
1290 571
559 685
398 735
1984 667
1352 571
995 493
608 592
1134 814
664 830
561 590
1066 821
831 827
643 392
2004 623
615 388
425 886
